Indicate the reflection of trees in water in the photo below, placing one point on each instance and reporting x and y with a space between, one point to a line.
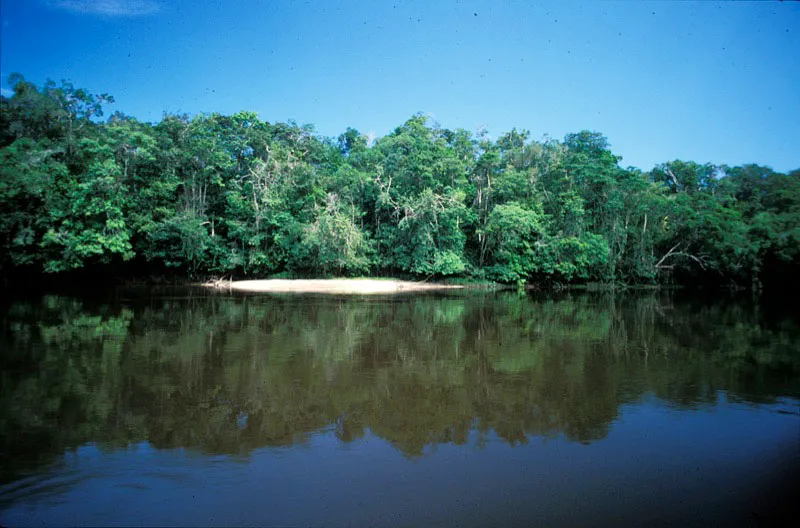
225 374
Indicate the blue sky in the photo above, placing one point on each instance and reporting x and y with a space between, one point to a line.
716 82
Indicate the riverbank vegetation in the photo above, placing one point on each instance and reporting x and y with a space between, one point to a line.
214 195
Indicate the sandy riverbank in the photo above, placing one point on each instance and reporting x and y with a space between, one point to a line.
341 286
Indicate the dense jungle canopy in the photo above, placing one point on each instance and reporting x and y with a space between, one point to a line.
211 195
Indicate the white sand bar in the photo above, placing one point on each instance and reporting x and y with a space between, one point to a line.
344 286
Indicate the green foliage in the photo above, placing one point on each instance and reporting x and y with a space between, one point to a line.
28 174
428 239
234 195
335 242
515 237
582 257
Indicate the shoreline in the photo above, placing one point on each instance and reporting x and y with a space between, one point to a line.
337 286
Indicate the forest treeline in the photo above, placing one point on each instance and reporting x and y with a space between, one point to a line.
236 196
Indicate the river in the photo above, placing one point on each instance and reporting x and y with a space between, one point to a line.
183 407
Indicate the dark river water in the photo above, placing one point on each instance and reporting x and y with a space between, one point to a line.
183 407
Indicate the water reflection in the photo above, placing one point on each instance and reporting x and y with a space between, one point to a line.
225 375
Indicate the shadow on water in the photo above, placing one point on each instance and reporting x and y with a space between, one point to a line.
230 374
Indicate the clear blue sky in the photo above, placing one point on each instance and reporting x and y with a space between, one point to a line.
716 82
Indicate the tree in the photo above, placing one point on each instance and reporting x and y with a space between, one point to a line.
516 238
334 241
88 214
235 195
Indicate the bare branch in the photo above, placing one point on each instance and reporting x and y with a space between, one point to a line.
674 252
669 254
672 175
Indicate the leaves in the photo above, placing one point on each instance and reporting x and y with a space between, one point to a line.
239 196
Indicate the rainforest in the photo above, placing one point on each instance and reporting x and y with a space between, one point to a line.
211 195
